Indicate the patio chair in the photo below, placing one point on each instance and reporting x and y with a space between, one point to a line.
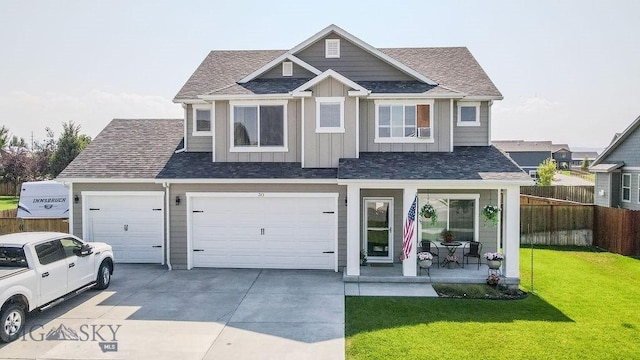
426 247
471 249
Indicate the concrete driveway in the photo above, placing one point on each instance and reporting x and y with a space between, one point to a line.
151 313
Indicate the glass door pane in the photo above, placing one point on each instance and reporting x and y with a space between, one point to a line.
377 218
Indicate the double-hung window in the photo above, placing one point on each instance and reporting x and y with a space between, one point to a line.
329 114
626 187
404 122
202 120
456 212
468 113
258 127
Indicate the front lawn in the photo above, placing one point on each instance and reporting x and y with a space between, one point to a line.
586 306
8 202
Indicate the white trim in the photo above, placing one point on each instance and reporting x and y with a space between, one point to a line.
377 53
185 125
71 205
378 259
247 97
471 104
622 187
451 125
300 90
286 56
256 149
631 168
357 127
194 110
167 220
375 96
191 195
482 98
287 68
302 132
213 132
249 181
189 101
490 105
423 197
331 43
434 184
404 140
637 199
109 180
353 230
337 100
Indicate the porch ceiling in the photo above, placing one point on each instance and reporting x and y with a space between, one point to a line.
464 163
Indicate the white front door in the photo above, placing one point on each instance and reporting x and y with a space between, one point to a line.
132 223
285 231
378 229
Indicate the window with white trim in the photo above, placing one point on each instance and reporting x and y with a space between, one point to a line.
403 122
202 120
258 127
332 48
468 113
626 187
287 68
330 114
456 212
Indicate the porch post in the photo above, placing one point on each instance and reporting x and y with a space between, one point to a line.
353 230
511 237
409 266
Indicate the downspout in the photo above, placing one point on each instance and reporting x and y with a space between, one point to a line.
167 224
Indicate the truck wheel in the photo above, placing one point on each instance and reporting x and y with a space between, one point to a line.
104 276
12 322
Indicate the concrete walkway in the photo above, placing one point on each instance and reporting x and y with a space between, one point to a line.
389 289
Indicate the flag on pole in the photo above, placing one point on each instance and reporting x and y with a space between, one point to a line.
409 230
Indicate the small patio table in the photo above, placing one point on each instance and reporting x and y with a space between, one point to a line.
451 252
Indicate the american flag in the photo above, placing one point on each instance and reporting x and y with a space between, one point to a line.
409 230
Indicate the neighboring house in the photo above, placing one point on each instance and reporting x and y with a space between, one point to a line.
303 159
618 171
530 154
577 157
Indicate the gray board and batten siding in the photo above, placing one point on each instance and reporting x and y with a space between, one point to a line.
603 182
324 150
178 216
298 73
354 62
472 135
627 152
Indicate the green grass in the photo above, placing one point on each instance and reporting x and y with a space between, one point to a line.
8 202
586 305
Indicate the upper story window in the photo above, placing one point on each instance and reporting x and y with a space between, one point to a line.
626 187
287 68
332 48
258 127
468 113
404 122
330 114
202 120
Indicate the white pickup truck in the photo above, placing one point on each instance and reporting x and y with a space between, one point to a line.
40 270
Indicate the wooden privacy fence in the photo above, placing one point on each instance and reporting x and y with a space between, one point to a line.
556 224
536 200
9 189
617 230
8 225
581 194
11 213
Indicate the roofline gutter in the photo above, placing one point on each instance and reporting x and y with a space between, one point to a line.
107 180
437 184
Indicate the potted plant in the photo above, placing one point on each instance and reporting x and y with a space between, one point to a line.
494 260
429 212
490 213
425 259
493 280
447 235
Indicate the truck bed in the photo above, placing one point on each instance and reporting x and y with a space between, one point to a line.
8 272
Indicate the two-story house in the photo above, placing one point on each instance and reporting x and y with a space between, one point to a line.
304 158
617 170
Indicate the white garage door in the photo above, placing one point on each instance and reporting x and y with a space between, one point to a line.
132 223
283 231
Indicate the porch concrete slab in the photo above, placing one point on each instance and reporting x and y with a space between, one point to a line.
351 289
291 341
290 308
298 282
395 289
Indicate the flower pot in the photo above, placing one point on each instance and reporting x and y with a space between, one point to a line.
425 263
494 264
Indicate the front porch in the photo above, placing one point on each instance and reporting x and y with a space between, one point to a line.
392 273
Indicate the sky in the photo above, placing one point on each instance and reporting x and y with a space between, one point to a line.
568 70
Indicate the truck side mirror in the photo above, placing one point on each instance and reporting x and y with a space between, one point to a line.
84 250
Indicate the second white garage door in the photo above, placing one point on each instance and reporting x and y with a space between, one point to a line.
258 230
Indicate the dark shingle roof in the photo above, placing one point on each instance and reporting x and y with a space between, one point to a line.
198 165
453 68
128 149
464 163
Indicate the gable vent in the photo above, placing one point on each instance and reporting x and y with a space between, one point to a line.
287 68
332 48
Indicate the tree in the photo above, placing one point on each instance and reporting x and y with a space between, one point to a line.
41 153
18 142
69 145
4 137
585 163
546 170
16 166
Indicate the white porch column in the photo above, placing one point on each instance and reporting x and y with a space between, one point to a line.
353 230
511 235
409 266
